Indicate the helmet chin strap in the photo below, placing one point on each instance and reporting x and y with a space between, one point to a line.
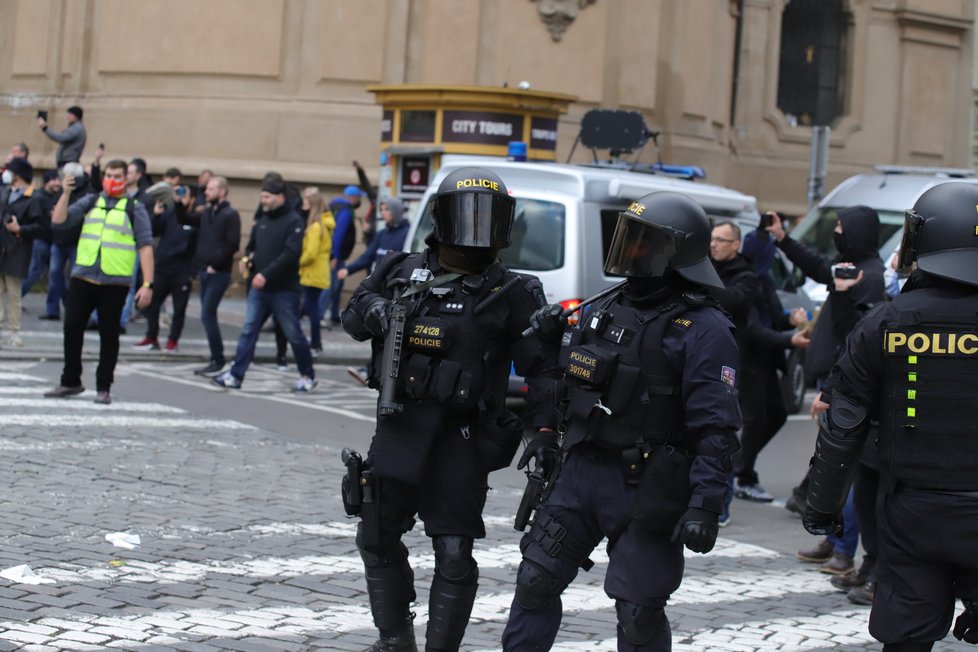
466 260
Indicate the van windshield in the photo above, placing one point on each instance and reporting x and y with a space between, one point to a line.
538 235
815 230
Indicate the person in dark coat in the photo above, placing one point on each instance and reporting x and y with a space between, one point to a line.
20 212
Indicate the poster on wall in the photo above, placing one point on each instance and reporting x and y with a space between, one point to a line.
415 174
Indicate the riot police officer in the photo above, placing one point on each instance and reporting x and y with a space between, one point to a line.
464 316
912 364
649 420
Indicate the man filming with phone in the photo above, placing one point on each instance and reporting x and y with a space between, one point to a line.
71 141
855 281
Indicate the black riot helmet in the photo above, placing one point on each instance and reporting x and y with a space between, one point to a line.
940 233
659 232
472 208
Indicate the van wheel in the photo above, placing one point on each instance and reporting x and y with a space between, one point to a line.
793 382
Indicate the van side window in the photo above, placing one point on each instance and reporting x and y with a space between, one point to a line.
537 243
811 77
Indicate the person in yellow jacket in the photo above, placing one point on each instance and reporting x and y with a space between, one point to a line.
317 244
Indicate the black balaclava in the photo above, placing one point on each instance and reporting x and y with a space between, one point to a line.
466 260
860 234
646 290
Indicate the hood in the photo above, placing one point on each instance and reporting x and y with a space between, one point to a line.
861 231
761 252
397 210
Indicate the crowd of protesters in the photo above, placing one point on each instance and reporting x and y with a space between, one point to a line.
116 248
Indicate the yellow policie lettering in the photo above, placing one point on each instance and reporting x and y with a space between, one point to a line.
685 323
425 342
584 359
476 183
579 371
636 208
933 343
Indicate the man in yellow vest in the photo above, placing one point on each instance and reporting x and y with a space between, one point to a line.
113 228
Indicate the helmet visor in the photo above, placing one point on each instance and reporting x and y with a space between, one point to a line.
912 222
641 249
474 219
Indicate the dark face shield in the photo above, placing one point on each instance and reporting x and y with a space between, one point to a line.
641 249
912 224
474 219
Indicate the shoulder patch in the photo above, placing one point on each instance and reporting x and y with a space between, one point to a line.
728 375
682 322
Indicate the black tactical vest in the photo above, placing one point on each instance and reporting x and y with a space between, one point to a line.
618 388
453 343
928 436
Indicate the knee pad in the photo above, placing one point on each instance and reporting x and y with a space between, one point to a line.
453 557
638 623
388 551
536 587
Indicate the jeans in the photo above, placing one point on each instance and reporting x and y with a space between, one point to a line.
212 289
847 542
83 298
62 255
40 261
310 309
284 305
331 298
131 297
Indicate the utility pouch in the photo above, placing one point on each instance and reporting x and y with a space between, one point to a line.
444 379
428 334
351 486
623 388
498 438
633 462
414 375
663 490
370 510
591 364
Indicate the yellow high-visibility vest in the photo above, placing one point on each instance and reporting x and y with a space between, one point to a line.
107 236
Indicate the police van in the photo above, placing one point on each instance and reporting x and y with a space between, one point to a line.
566 215
889 189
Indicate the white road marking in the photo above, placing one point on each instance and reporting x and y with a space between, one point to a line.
97 421
75 404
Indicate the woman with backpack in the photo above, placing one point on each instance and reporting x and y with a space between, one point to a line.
314 268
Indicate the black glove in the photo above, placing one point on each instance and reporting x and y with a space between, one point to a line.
820 523
544 449
698 529
966 626
548 321
376 316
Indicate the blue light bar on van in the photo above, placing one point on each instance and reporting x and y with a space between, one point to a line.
684 171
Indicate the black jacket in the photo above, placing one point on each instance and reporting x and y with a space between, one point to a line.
275 246
841 310
40 229
218 234
16 248
738 296
175 250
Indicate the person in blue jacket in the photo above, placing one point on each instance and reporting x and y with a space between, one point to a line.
391 238
344 238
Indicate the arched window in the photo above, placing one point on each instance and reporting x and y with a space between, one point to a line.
813 60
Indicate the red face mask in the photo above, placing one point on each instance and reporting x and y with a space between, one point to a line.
114 187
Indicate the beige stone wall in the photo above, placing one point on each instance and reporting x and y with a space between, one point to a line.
243 86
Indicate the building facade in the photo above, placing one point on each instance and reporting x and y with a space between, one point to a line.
734 86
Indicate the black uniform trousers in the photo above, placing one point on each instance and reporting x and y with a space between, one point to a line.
167 284
83 298
591 500
928 542
763 413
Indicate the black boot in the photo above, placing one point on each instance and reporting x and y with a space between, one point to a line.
391 591
449 606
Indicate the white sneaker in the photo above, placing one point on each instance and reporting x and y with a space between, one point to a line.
754 492
305 384
14 340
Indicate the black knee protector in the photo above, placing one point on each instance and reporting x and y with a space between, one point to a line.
640 624
453 558
536 587
383 551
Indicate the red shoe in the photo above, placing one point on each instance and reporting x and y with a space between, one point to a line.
171 346
147 344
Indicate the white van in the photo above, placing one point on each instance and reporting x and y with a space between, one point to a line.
566 216
891 190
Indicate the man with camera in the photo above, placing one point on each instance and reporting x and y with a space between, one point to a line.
855 281
21 212
174 254
71 141
115 231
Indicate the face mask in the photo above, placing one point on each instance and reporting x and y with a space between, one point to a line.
840 241
466 260
113 187
8 177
